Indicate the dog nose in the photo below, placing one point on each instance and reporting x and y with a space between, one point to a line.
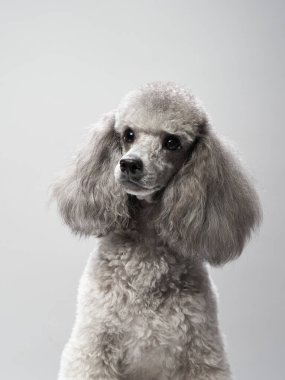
131 165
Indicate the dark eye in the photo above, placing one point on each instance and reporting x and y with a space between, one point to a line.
172 143
129 135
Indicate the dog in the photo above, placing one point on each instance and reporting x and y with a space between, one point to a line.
165 198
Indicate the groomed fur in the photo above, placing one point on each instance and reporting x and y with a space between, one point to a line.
89 199
146 308
216 207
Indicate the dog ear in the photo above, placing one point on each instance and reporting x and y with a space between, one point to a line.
89 199
209 208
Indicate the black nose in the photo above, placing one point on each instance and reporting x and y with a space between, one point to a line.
132 166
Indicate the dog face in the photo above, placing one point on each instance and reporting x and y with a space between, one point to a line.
150 158
155 141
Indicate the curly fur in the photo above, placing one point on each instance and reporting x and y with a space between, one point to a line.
146 307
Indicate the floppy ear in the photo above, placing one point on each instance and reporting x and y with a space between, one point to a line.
209 208
89 199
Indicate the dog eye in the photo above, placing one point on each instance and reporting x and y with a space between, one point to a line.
129 135
172 143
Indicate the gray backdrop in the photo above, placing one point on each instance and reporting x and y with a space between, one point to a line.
63 64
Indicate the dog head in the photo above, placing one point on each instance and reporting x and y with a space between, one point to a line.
158 145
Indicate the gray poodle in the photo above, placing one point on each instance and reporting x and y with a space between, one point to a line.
165 197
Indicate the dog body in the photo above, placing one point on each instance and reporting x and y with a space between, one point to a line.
165 198
144 314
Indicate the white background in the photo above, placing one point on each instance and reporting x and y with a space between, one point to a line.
63 64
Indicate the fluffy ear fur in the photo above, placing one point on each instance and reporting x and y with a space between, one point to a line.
89 199
209 208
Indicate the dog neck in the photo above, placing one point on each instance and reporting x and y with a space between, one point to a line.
143 212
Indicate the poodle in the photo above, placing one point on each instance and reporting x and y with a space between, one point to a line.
165 197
